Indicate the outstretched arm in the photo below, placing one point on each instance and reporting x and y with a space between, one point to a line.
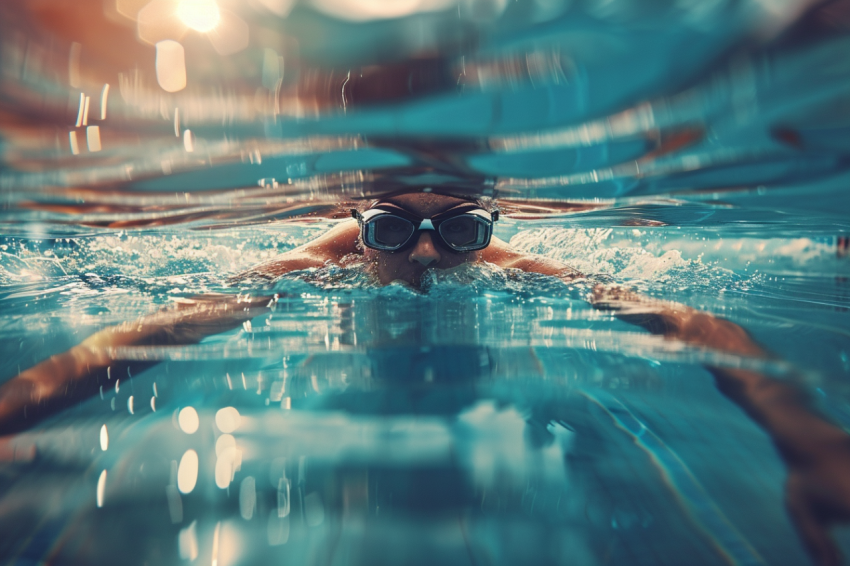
66 378
816 452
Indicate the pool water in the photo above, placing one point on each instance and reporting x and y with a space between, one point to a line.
694 152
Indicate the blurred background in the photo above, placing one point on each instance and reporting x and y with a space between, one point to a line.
722 113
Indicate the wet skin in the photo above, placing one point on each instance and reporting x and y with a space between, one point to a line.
341 245
815 451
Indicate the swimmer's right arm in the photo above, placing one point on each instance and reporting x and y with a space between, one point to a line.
76 374
332 246
70 376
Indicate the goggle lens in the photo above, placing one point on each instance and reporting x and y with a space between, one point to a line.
392 231
463 231
467 231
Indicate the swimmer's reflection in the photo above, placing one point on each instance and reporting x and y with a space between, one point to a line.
400 238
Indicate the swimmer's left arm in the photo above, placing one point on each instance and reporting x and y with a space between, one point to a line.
816 451
501 254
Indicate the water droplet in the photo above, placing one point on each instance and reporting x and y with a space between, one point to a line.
104 97
188 141
247 498
101 488
228 419
170 65
75 145
188 420
187 472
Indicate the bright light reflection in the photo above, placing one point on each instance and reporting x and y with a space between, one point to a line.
215 544
93 138
188 420
224 442
104 438
104 97
75 145
188 141
227 419
223 472
376 9
228 461
187 542
170 65
200 15
247 497
101 488
187 472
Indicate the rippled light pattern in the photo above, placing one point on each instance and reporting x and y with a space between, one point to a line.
200 15
187 472
188 420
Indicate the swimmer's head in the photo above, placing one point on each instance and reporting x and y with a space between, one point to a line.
425 250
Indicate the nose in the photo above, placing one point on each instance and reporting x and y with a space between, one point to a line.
424 251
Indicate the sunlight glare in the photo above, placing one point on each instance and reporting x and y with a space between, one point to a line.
200 15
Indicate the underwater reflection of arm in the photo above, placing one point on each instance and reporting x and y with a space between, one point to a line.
71 376
816 451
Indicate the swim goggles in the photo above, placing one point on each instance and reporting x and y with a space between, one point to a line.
462 229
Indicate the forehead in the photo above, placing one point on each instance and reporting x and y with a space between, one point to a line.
425 204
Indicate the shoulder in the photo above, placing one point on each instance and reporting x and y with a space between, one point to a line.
501 254
335 244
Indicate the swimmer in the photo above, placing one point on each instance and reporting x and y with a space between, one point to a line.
402 236
399 238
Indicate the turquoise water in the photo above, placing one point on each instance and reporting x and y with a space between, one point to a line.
696 153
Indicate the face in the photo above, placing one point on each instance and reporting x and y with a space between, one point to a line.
409 264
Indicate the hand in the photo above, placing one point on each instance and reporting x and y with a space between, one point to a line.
675 321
